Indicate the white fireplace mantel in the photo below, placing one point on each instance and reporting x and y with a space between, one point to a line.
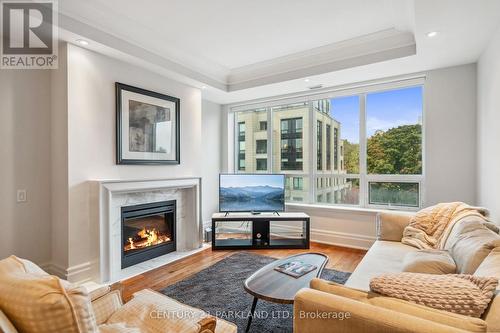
110 195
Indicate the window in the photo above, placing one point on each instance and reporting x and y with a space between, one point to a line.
394 194
394 147
261 147
261 164
328 147
298 183
241 145
251 142
375 138
394 132
241 131
346 192
335 148
319 133
291 144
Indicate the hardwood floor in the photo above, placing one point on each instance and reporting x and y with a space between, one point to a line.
342 259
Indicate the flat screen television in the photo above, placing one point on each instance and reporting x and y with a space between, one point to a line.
251 193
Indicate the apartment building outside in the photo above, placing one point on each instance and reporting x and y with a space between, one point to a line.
297 145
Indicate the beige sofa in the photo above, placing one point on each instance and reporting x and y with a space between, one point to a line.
56 303
315 308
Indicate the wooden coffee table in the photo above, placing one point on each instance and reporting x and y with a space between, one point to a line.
273 286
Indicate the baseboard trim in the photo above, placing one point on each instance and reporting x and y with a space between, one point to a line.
343 239
77 274
331 237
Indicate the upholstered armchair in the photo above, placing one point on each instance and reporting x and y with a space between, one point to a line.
33 301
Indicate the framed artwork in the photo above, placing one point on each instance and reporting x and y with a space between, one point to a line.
147 126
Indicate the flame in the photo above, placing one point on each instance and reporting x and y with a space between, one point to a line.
147 237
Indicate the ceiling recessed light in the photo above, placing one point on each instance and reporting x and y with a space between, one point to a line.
432 34
82 42
306 80
203 87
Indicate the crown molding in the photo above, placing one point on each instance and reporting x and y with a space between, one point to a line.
139 54
380 46
376 47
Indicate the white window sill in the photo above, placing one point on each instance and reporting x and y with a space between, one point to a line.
354 209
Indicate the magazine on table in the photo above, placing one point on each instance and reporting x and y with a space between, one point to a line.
295 268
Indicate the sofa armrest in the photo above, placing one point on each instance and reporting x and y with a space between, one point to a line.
468 324
316 311
390 226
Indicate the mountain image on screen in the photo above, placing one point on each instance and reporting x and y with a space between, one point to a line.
251 198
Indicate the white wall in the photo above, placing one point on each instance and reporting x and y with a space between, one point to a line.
91 136
450 135
211 122
25 228
488 130
59 164
450 157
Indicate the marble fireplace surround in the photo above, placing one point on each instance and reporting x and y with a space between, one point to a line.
112 195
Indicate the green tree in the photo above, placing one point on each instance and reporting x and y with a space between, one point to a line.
395 151
351 157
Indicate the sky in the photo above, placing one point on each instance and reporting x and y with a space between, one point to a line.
241 180
384 110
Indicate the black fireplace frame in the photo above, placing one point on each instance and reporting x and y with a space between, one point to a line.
144 210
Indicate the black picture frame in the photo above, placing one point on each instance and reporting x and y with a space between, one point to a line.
119 88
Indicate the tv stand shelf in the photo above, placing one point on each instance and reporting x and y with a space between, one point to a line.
261 231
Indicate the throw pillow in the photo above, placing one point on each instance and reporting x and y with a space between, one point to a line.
38 302
463 294
469 243
429 261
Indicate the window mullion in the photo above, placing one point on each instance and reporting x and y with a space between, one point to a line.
270 138
312 153
363 184
236 144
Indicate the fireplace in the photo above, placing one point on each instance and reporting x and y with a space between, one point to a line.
148 231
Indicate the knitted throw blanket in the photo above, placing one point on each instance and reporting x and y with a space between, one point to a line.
459 293
430 227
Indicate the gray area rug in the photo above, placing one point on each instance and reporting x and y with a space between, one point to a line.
219 291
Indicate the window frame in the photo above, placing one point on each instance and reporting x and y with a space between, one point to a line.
361 90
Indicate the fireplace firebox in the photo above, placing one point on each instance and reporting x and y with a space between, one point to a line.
148 231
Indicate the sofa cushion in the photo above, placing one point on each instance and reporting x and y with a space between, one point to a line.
465 323
429 261
458 293
153 312
383 257
469 243
491 267
37 302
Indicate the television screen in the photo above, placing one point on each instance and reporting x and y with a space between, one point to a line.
251 193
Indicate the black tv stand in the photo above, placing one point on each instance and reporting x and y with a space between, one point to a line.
260 231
